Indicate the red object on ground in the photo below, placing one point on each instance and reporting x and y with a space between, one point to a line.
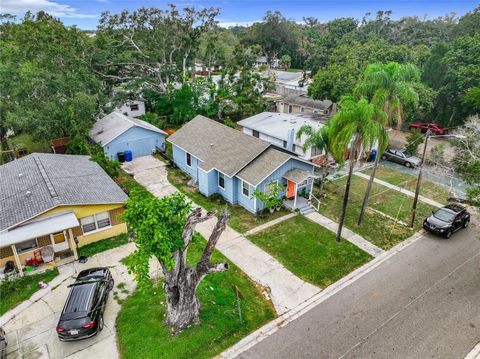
424 127
59 145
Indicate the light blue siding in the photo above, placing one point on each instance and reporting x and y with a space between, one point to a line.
136 139
277 175
247 202
227 192
207 182
180 159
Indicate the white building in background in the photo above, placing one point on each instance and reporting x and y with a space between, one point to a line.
134 108
281 130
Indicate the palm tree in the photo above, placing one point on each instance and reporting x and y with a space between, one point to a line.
390 87
355 127
319 139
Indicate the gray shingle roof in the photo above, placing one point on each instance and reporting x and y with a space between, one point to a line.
297 175
38 182
113 125
306 101
218 146
263 165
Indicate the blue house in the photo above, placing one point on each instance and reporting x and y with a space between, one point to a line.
223 160
118 133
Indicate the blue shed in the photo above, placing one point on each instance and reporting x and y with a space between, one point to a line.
118 133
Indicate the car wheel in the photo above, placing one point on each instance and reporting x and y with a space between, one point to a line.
110 286
384 158
466 223
448 234
100 323
408 164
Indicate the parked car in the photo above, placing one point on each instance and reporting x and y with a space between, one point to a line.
3 344
82 315
447 220
399 156
424 127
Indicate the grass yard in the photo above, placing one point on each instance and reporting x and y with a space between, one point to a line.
401 179
309 250
241 220
141 330
33 146
375 228
103 245
15 291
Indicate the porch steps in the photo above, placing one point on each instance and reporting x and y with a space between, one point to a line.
306 209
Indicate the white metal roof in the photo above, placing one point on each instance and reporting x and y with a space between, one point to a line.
278 124
38 228
114 124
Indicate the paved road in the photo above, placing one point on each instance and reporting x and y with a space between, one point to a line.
422 303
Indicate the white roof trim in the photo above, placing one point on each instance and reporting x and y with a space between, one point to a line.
39 228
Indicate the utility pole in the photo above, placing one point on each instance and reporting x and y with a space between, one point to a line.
419 179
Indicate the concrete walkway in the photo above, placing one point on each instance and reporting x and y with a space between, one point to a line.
286 290
426 200
350 236
264 226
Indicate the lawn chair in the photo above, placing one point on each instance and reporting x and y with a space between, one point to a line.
48 254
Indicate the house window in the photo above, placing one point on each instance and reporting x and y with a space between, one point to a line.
246 189
95 222
189 160
221 180
293 148
134 107
26 246
255 134
302 109
290 108
284 144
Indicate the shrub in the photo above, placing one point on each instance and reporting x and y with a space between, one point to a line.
271 198
414 139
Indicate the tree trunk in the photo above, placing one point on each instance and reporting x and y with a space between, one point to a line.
369 186
347 192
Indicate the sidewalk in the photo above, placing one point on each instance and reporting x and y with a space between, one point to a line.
426 200
350 236
286 290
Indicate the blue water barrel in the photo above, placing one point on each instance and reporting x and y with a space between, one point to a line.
128 155
373 155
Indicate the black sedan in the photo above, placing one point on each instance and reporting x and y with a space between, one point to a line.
447 220
3 344
82 315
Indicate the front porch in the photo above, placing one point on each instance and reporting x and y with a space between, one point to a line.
299 190
39 245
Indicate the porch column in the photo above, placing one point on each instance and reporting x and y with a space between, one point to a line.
73 245
17 260
295 198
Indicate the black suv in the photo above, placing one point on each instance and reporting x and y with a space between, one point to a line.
82 315
447 220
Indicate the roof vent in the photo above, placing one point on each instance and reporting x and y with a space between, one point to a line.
211 145
28 194
20 175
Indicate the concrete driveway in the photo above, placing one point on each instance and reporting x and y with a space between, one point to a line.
31 334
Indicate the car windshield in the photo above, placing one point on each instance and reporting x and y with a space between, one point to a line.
444 215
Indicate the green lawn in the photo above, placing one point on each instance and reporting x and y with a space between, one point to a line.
310 251
401 179
141 330
33 146
15 291
103 245
241 220
375 228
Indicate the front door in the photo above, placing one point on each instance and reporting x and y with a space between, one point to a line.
290 189
59 241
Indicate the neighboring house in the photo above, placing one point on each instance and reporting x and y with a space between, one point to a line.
263 61
56 201
134 108
226 161
117 133
289 83
281 130
303 103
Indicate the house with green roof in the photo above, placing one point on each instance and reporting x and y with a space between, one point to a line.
226 161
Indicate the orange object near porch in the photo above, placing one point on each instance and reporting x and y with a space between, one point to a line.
290 189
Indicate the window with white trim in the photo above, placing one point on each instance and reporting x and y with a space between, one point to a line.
246 189
134 107
26 246
189 159
95 222
290 108
221 180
